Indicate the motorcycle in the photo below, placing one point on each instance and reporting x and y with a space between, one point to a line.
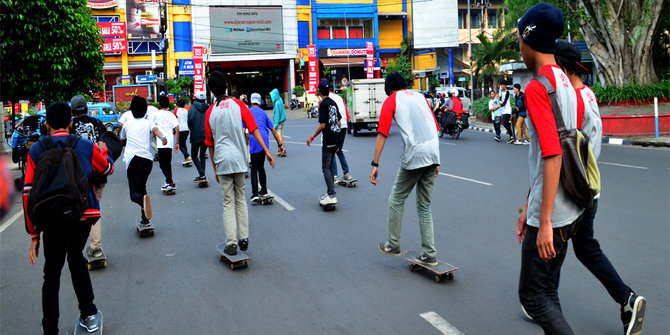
293 104
452 123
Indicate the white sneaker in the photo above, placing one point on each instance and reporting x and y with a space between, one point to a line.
347 177
517 142
165 187
336 180
525 142
328 200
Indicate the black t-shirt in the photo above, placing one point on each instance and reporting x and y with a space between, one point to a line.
88 127
329 115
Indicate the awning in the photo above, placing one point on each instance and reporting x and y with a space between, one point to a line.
342 61
391 15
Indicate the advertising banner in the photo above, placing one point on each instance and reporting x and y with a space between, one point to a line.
112 29
186 67
127 92
313 68
343 52
246 29
100 4
435 24
370 61
115 44
198 69
143 18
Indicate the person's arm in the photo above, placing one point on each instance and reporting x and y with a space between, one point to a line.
259 139
176 139
158 134
521 221
384 126
33 251
279 139
379 147
101 161
316 133
211 157
545 236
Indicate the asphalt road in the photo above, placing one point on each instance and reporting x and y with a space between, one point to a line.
316 272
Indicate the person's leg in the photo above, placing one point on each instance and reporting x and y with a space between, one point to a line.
326 168
519 124
138 173
96 229
404 183
524 129
424 189
183 135
81 281
334 167
340 154
496 127
54 251
241 211
165 162
262 177
538 283
587 249
257 160
229 219
196 160
506 124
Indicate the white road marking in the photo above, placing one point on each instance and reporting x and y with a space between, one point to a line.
11 220
440 324
624 165
314 144
447 143
281 201
617 141
467 179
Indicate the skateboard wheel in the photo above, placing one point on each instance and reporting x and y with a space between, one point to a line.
246 265
151 233
232 266
104 264
411 267
438 278
450 276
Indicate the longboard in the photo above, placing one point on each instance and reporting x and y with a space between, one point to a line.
235 261
79 330
348 183
145 231
201 183
441 270
96 262
266 199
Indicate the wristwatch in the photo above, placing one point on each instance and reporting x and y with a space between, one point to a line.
374 164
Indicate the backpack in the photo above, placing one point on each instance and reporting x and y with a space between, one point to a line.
60 191
579 171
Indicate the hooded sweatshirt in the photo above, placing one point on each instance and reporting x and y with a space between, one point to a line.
196 121
279 113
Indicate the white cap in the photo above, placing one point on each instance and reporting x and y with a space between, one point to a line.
200 96
255 98
454 92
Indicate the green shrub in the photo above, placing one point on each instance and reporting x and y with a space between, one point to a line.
632 92
480 108
158 106
299 90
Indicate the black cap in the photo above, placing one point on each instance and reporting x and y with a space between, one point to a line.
540 26
569 56
324 84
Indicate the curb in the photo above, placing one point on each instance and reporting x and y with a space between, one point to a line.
616 141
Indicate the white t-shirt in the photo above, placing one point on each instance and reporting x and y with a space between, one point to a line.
125 116
507 107
340 108
166 122
182 117
137 133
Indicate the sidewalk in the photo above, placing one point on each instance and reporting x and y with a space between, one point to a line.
645 141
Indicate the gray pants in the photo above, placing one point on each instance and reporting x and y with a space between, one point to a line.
235 214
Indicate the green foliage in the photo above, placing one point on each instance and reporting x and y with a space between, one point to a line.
181 87
433 83
513 10
299 90
49 50
632 92
480 108
489 55
170 106
402 63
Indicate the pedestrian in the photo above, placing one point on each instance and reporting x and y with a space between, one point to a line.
494 107
344 118
265 126
419 163
329 124
64 238
521 114
278 117
586 247
182 117
168 124
224 135
136 136
506 111
196 125
549 217
89 128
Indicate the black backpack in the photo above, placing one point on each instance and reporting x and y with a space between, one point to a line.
60 191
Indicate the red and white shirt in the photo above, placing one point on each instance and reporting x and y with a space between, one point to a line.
417 125
224 130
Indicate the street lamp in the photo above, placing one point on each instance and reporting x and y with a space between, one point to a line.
481 4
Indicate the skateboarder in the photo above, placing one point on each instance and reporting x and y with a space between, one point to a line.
168 124
586 247
329 123
64 238
224 135
278 117
419 164
196 125
182 116
344 117
257 155
136 137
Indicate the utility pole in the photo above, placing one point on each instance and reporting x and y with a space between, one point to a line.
472 83
163 30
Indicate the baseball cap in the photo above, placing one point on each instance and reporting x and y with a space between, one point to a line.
569 56
255 98
200 96
78 104
540 26
324 84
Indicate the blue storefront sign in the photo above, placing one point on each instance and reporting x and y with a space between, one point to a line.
186 67
145 79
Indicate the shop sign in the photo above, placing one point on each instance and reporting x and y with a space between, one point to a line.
387 61
246 29
370 61
113 37
112 29
100 4
128 92
125 79
198 69
186 67
343 52
313 65
114 45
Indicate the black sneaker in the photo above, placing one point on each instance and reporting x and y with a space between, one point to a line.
386 248
231 249
425 260
244 244
497 139
632 314
90 323
254 197
511 140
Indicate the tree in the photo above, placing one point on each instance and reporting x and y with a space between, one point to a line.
619 34
181 87
49 50
489 55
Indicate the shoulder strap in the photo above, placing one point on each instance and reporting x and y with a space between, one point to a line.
46 142
555 107
71 141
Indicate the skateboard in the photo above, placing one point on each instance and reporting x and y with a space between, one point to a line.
186 164
96 262
266 199
347 183
201 183
169 192
145 231
328 207
235 261
441 270
79 330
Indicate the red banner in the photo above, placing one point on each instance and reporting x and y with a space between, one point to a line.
313 67
100 4
114 44
370 51
198 69
126 93
112 29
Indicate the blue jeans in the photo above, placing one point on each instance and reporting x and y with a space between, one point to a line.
587 249
538 283
340 155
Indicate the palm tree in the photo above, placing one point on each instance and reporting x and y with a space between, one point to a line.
489 55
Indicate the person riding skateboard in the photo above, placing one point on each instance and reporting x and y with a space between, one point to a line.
196 125
182 116
344 118
168 124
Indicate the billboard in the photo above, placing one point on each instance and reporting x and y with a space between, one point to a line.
100 4
435 24
143 19
313 79
246 29
113 36
128 92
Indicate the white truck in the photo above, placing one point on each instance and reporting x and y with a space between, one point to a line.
366 97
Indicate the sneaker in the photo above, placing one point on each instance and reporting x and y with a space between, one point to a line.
525 142
336 180
347 177
165 187
526 313
171 187
244 244
231 249
94 252
147 206
497 139
255 197
189 160
328 200
511 140
632 314
91 323
197 179
386 248
518 142
425 260
145 223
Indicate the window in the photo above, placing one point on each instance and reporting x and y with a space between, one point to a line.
492 18
108 111
356 32
474 20
94 111
341 28
323 33
340 32
462 19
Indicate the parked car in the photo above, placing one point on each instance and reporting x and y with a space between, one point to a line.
106 113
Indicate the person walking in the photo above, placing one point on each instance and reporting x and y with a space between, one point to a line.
344 118
419 163
224 135
521 114
64 239
494 107
586 247
182 117
278 117
329 124
196 125
169 126
506 111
